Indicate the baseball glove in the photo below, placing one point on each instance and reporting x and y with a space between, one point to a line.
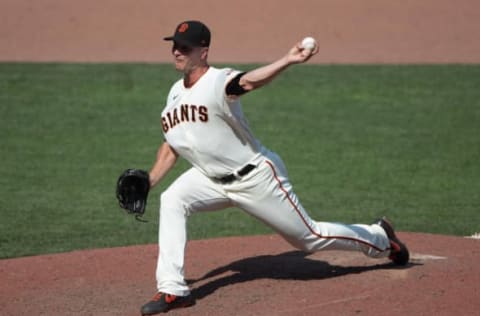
133 186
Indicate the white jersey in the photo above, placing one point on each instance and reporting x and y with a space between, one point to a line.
207 127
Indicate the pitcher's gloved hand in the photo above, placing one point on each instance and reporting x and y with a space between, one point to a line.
133 186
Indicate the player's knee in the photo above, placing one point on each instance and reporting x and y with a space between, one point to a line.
300 244
305 247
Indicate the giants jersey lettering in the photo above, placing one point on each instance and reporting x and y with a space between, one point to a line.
208 128
186 113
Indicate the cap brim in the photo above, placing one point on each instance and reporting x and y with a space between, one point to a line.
180 41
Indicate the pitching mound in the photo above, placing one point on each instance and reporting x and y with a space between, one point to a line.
259 275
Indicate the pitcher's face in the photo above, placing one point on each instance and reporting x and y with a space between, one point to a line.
187 58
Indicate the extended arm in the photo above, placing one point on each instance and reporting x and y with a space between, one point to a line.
166 159
260 76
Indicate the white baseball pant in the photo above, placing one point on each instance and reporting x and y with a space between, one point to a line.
264 193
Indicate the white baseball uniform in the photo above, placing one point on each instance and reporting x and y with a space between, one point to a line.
208 128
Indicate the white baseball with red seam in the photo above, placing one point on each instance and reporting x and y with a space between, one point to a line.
309 43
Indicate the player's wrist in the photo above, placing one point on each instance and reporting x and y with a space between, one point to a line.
287 60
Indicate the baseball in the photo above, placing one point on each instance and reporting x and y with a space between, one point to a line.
309 43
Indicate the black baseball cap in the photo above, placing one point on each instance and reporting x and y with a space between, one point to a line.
191 33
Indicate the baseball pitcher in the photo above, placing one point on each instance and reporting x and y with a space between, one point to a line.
203 122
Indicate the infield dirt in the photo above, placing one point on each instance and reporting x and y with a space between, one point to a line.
349 31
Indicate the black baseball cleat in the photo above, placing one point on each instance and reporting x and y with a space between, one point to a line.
398 251
162 303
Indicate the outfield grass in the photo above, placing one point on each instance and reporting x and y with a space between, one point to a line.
359 142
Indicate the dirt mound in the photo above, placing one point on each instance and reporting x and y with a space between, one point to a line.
259 275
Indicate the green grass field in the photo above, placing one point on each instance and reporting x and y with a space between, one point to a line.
359 142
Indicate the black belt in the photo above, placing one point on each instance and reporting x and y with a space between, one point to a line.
240 173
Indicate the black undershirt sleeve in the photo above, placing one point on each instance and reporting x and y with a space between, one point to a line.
233 87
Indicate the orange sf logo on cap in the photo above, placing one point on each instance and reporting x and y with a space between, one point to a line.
183 27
